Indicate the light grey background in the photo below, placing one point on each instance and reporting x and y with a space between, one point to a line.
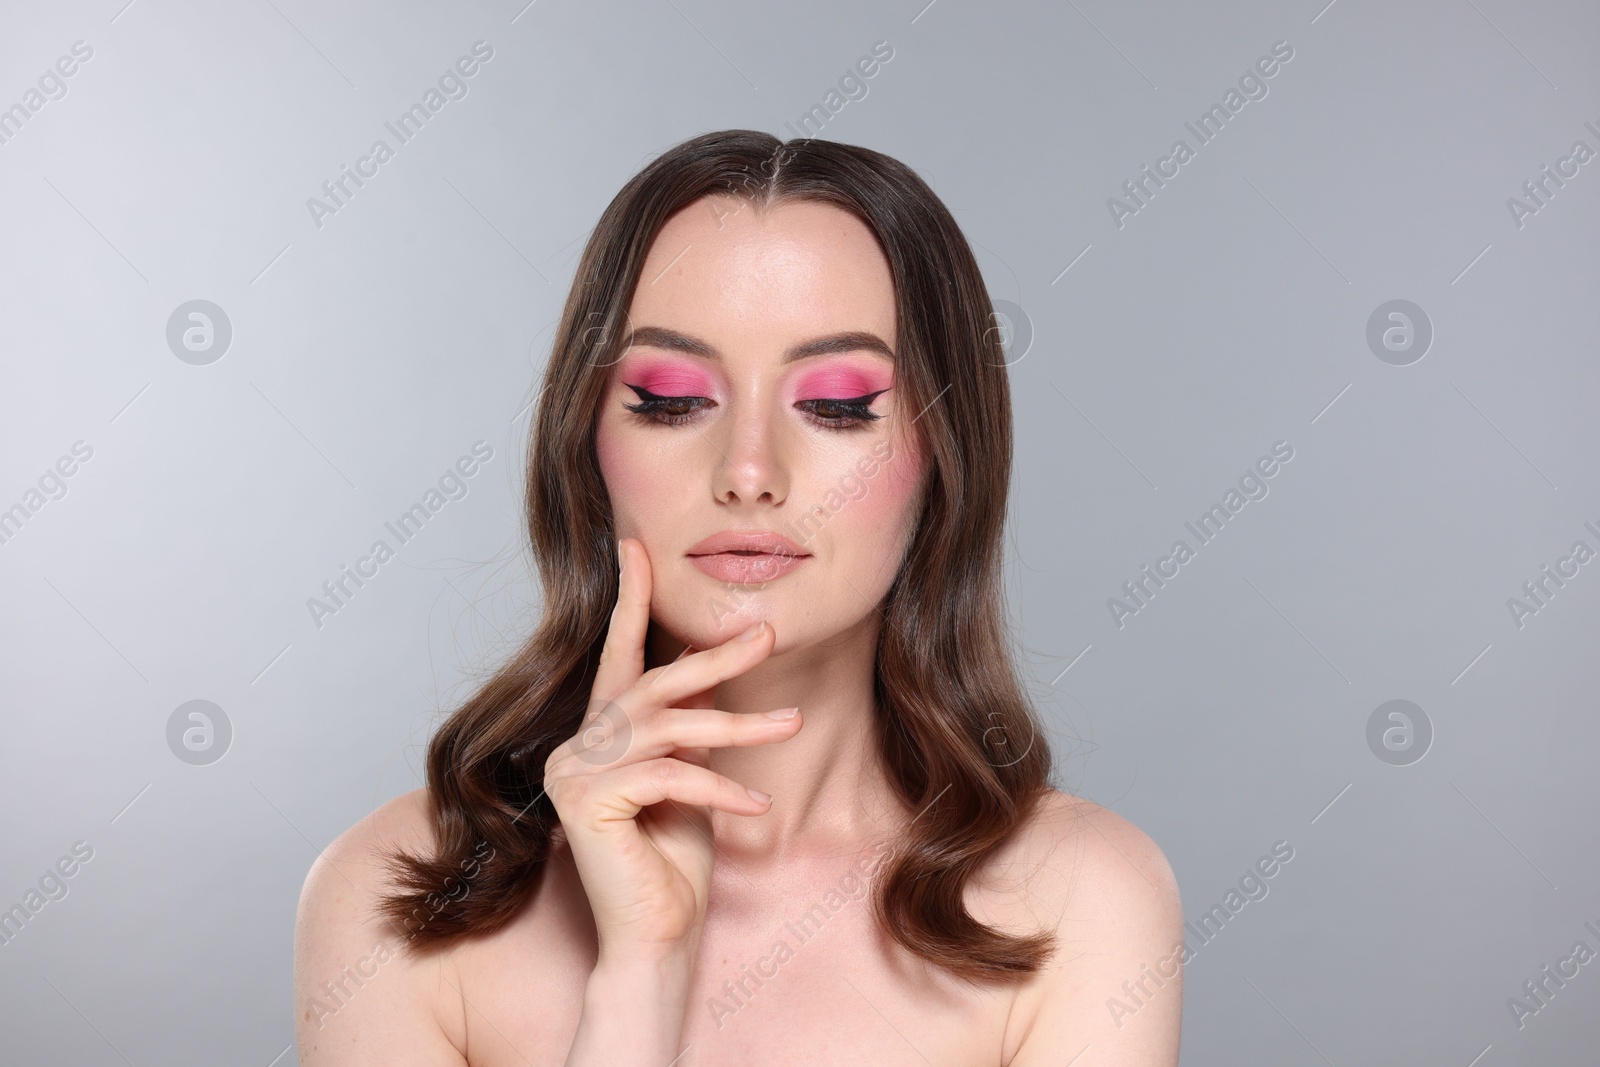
1166 356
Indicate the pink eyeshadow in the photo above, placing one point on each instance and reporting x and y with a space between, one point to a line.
843 382
668 377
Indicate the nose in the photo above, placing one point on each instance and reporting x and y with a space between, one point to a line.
751 467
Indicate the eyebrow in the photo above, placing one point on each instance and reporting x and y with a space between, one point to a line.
849 341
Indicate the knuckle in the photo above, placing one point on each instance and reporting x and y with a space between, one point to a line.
603 741
665 772
610 719
652 688
566 791
554 790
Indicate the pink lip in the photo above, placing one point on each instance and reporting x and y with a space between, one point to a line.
747 557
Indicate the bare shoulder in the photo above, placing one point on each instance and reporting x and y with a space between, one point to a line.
1104 888
360 998
1081 847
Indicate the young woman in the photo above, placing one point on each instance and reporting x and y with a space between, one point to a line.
766 496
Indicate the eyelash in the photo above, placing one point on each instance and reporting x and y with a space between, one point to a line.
857 409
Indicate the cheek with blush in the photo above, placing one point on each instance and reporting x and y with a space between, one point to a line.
628 473
627 450
877 497
890 491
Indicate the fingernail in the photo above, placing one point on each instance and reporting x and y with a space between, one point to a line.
782 713
752 633
759 795
620 562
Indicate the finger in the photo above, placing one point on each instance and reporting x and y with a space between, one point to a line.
699 674
621 793
693 732
615 737
622 656
706 698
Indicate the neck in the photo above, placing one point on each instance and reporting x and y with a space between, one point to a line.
830 791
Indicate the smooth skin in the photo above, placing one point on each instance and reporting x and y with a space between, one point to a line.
668 882
645 863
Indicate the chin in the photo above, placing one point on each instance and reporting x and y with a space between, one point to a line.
702 611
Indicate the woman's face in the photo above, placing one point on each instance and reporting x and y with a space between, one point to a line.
771 337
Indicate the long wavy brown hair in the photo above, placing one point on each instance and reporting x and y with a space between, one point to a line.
960 741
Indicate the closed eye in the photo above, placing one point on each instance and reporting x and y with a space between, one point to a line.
844 413
668 410
834 413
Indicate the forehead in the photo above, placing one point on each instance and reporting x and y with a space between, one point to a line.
722 270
